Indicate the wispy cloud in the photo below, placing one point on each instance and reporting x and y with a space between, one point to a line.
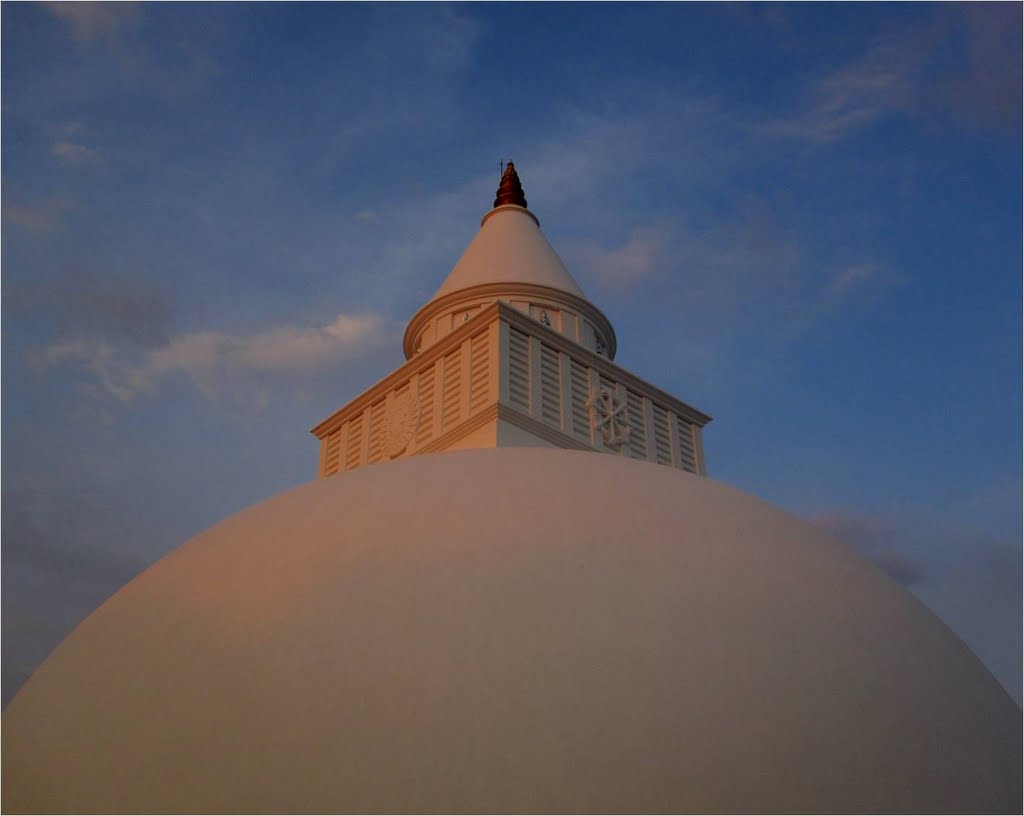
965 63
859 280
41 215
748 270
83 302
631 264
122 32
877 83
67 547
449 39
852 276
878 540
985 85
223 364
75 154
969 579
91 22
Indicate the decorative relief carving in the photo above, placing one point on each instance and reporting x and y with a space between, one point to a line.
403 419
599 345
544 318
609 415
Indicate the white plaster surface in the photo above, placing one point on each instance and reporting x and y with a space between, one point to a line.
512 630
510 248
513 435
486 436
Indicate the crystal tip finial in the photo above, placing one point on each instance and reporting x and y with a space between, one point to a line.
510 191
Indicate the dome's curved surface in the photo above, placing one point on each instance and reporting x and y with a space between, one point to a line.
512 630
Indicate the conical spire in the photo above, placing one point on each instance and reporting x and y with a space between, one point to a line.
511 261
510 191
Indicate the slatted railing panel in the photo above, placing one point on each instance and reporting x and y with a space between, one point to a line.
580 387
550 387
378 416
452 389
332 453
354 445
479 372
687 456
637 431
518 370
662 438
425 429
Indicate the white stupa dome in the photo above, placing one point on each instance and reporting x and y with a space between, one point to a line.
524 630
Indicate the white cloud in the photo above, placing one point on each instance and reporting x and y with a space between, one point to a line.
852 276
72 153
879 82
222 363
628 265
964 61
857 282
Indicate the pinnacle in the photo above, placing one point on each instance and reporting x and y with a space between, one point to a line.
510 191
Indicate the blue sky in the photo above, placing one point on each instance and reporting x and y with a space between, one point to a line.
804 220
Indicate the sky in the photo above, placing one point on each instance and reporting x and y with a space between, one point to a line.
804 220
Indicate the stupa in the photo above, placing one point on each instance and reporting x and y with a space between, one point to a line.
512 588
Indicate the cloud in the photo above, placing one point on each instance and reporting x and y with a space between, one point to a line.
743 269
745 272
66 548
880 81
859 280
449 40
83 302
157 49
41 215
76 154
628 266
969 579
880 541
223 364
94 21
985 84
962 63
852 276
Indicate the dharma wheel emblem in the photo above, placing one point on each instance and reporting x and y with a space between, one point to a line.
403 417
610 415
